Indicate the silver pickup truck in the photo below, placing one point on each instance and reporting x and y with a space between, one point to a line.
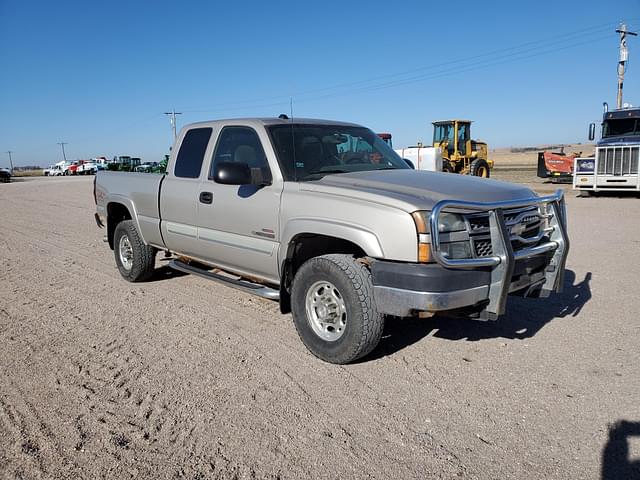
326 219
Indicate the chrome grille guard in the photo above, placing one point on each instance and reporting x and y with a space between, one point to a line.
503 260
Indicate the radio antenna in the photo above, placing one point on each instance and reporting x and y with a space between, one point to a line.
293 141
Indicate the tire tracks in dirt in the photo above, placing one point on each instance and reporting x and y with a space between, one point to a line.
269 390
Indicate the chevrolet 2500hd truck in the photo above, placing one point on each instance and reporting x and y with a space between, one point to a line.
327 219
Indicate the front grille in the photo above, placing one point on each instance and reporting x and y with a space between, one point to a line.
524 224
482 248
618 161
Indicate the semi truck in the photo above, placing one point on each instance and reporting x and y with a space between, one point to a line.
615 164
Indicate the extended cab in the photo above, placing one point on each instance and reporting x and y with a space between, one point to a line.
327 219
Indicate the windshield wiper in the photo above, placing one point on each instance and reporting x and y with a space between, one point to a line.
326 172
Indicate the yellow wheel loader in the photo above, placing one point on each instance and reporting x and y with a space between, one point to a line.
460 154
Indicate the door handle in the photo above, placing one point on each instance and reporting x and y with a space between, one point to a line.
206 197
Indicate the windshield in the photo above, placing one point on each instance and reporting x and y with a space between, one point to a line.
309 152
621 127
442 132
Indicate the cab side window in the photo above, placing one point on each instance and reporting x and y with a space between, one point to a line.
241 145
191 154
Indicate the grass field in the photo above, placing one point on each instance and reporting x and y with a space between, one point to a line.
27 173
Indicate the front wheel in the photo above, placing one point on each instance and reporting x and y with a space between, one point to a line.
447 167
135 260
334 310
480 168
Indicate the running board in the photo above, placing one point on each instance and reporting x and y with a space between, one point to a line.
244 285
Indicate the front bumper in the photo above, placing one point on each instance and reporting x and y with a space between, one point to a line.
606 183
402 289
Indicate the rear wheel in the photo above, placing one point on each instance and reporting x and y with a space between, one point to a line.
334 310
135 260
480 168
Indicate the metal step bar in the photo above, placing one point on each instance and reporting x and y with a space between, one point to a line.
244 285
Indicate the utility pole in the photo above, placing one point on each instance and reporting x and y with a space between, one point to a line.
62 144
10 160
172 119
622 62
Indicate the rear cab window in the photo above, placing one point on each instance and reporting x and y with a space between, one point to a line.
191 154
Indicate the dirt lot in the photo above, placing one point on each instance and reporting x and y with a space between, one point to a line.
183 378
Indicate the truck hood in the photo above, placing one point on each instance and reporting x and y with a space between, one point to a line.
413 190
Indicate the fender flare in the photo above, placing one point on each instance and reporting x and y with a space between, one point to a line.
130 206
356 234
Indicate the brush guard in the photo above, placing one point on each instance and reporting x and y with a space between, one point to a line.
503 258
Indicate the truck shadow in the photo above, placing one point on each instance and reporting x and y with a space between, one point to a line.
611 194
165 272
616 461
523 319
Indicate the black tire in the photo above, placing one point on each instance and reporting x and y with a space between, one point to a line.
447 167
143 257
480 168
352 280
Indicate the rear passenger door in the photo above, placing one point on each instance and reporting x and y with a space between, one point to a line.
179 192
238 229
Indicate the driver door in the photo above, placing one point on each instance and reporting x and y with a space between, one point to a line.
238 228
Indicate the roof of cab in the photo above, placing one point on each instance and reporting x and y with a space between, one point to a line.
443 122
268 121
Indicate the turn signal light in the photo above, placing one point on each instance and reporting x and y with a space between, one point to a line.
424 253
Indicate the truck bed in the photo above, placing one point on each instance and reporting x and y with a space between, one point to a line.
139 192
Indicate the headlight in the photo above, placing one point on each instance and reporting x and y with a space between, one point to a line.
585 166
447 222
451 222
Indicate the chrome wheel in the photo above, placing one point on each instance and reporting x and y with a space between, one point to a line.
326 311
126 252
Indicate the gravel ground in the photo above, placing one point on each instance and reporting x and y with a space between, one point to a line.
184 378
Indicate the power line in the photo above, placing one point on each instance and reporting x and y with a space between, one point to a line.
453 70
469 67
548 44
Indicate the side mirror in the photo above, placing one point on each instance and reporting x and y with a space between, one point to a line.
592 132
410 163
232 173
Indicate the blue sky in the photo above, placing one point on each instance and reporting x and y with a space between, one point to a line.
99 75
